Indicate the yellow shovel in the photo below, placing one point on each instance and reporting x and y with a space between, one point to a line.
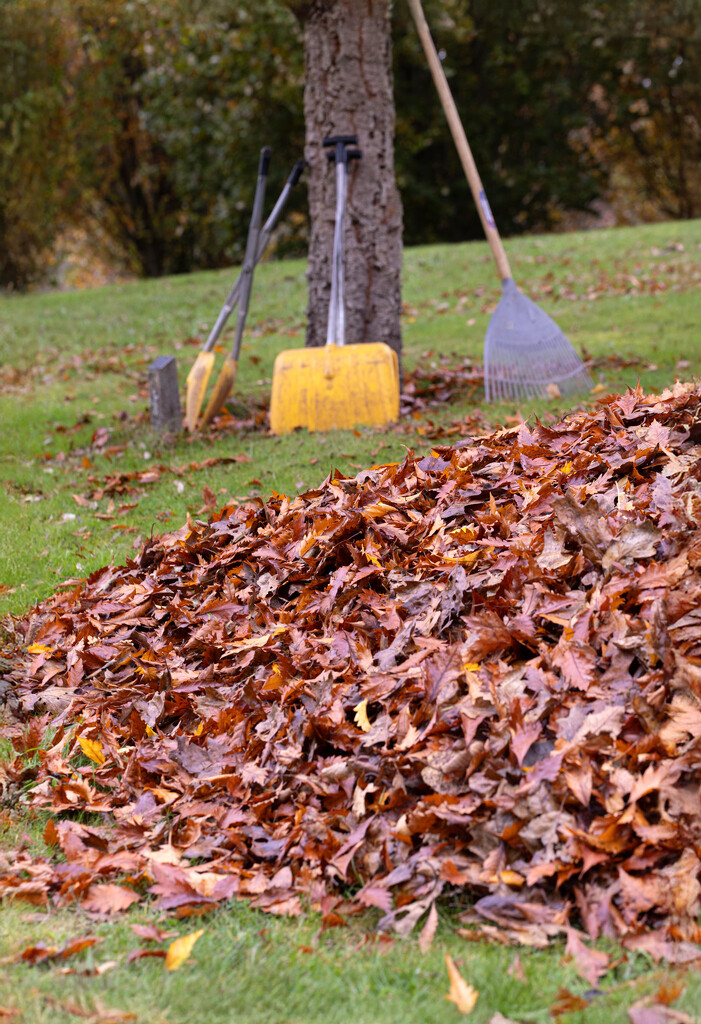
200 373
339 386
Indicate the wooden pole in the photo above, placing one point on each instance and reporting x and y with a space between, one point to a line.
461 143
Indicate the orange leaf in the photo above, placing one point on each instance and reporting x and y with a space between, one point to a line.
463 995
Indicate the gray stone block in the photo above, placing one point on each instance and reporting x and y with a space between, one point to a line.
164 399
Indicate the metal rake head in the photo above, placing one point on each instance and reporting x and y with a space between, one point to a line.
525 352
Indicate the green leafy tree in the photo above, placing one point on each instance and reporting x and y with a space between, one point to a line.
645 106
35 148
518 73
179 97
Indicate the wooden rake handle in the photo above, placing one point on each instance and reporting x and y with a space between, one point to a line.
460 139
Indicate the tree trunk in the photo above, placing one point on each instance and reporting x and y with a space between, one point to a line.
348 91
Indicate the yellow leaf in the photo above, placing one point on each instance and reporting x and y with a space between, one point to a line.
567 468
471 666
166 796
378 510
39 649
150 731
198 730
275 680
361 716
92 749
467 559
511 877
179 950
463 995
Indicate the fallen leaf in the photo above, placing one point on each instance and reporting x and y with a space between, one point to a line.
41 953
106 899
92 749
180 949
515 969
429 930
463 995
566 1002
151 932
589 963
655 1013
361 716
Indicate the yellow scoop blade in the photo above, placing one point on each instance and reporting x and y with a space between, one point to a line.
197 380
335 388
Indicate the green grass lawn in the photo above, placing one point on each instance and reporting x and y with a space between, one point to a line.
84 481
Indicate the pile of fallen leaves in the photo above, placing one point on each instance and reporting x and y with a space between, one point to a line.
474 674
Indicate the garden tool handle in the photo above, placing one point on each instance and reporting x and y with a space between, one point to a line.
263 239
461 143
251 256
341 155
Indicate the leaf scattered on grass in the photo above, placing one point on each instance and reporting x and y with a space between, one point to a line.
463 995
105 899
180 949
41 953
92 749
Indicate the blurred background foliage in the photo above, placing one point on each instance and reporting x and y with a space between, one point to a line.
139 123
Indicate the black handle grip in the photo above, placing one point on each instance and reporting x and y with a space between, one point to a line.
346 155
265 155
297 172
342 140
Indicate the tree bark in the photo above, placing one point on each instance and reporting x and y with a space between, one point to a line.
348 91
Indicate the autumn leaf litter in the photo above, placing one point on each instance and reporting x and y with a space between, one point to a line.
470 676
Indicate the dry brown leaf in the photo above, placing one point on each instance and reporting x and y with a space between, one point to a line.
429 930
589 963
107 899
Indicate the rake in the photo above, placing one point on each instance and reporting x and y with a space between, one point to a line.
526 355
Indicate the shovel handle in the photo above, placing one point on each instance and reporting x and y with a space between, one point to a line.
263 239
461 143
341 155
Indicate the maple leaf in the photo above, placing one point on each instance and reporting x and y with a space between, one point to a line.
180 949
